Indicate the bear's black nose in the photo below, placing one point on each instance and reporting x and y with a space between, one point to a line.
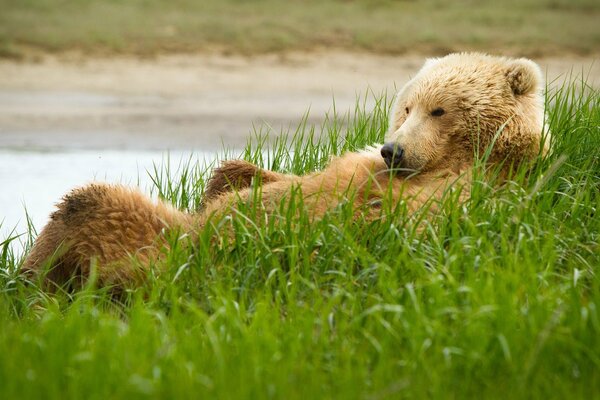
392 154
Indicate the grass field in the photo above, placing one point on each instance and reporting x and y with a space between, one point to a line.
494 299
147 27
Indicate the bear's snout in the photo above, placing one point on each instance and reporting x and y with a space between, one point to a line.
392 155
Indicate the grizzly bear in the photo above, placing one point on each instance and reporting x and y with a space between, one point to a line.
454 110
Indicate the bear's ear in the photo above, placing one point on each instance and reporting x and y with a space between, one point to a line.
430 62
523 75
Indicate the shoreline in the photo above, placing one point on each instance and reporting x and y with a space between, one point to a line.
196 101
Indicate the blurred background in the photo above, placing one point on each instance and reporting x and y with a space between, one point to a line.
104 89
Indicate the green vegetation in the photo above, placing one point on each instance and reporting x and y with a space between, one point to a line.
495 299
147 27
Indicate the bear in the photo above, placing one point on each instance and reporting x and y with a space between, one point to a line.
454 110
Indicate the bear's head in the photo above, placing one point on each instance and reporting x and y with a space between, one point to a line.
459 105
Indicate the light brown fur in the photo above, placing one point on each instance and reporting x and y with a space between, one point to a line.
237 174
111 226
103 225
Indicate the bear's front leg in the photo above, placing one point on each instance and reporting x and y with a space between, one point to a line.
237 175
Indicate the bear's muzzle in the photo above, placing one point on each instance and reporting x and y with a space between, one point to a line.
392 154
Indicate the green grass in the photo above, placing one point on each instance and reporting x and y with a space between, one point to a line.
494 299
148 27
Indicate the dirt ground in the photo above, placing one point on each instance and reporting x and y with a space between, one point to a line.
194 101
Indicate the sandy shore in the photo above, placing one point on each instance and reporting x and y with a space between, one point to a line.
66 122
192 101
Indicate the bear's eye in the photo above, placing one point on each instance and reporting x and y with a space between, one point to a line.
407 110
438 112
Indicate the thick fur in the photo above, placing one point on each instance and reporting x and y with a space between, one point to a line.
485 100
105 226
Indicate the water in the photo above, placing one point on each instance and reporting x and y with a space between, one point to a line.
32 182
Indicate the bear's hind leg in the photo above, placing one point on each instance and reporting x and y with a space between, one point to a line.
48 260
102 226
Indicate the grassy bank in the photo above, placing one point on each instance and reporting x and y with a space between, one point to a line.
146 27
496 299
